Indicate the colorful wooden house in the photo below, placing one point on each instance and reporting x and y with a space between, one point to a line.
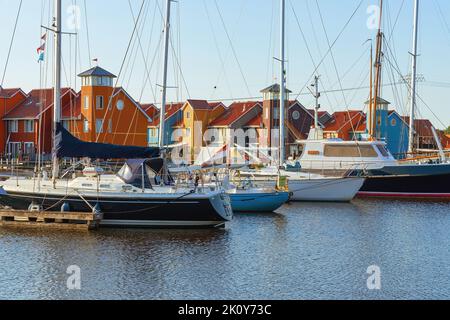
173 117
110 115
29 124
9 99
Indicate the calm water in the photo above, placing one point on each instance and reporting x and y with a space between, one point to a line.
305 251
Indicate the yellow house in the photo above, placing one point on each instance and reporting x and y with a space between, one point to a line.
197 116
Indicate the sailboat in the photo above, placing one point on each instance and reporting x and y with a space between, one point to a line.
141 194
385 176
303 186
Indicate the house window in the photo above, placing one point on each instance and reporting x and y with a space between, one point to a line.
13 126
99 102
276 113
29 126
86 102
66 124
86 126
28 148
14 149
188 115
188 132
99 126
393 122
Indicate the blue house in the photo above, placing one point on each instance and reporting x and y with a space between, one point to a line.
397 137
174 114
390 127
381 117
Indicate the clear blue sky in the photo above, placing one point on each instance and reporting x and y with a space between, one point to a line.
213 69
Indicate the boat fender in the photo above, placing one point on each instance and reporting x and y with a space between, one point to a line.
96 209
65 207
33 207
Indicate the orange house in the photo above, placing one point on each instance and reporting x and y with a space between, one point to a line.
108 114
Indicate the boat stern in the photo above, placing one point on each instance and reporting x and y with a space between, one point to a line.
221 202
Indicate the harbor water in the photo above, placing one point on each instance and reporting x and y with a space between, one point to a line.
304 251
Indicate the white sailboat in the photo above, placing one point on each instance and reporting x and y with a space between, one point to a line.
141 194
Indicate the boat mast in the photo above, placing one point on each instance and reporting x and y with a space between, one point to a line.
370 121
164 80
317 96
413 78
283 83
57 84
374 104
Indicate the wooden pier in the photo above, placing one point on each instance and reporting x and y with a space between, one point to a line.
48 219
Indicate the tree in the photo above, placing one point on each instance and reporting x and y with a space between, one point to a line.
447 131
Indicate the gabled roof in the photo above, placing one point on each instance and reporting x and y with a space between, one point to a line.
171 110
200 104
422 127
72 109
234 112
379 101
393 112
98 72
256 122
37 102
117 90
342 119
275 88
10 92
150 109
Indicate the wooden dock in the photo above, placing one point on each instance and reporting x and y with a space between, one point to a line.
48 219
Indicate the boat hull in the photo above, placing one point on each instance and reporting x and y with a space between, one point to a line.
325 190
187 212
258 202
407 187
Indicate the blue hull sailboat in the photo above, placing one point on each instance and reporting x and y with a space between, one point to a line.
257 200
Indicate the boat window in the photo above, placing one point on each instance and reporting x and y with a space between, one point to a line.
383 150
86 185
105 186
349 151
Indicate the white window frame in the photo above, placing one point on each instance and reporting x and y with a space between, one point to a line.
86 126
18 150
13 126
31 145
86 102
99 106
99 125
26 126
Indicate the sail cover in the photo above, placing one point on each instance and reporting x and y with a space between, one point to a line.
68 146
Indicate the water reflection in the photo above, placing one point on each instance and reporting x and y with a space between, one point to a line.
305 250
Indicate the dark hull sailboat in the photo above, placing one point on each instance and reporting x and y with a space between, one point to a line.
409 182
142 193
132 211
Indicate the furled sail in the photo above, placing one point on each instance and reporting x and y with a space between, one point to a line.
68 146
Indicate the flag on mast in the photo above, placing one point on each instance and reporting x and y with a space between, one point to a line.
41 49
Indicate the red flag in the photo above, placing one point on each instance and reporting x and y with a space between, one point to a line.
41 48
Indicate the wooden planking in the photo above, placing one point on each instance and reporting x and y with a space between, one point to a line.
54 220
